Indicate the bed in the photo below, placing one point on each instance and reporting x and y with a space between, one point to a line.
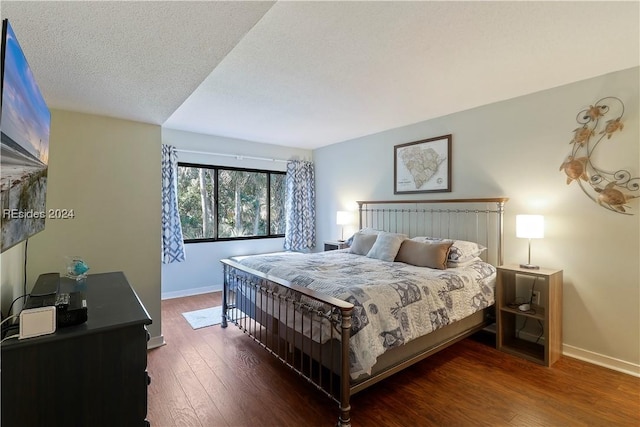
346 319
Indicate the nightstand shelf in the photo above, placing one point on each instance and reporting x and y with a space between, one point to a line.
332 245
538 312
525 349
546 348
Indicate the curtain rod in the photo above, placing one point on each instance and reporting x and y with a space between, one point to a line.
236 156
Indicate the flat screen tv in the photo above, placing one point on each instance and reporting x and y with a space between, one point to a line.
24 158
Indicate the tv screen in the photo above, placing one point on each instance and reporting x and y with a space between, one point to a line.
24 158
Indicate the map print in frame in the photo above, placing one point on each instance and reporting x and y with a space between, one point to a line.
423 166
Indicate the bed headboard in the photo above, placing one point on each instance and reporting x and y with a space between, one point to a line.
477 220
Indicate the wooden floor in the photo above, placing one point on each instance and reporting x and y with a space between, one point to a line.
219 377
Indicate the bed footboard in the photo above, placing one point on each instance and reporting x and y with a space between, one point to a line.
307 331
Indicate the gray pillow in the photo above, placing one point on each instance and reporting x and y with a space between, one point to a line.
432 254
366 230
362 243
386 246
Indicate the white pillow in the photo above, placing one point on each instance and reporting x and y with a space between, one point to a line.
386 246
463 251
451 264
362 243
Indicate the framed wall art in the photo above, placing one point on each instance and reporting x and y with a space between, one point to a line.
422 166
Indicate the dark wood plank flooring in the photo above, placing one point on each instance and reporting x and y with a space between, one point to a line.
214 377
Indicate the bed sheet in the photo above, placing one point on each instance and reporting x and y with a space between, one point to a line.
393 302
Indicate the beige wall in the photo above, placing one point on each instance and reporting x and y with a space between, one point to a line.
108 171
11 277
514 148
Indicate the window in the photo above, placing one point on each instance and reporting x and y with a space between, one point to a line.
223 203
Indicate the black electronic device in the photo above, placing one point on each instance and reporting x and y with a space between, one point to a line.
46 284
71 307
44 291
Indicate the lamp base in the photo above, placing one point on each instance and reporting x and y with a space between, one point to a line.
530 266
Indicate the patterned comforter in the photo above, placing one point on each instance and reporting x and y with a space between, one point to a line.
394 302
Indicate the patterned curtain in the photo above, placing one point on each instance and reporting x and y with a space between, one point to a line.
300 226
172 242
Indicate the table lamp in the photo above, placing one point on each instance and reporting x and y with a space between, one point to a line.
343 218
530 227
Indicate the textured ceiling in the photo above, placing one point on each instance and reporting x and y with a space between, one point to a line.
308 74
132 60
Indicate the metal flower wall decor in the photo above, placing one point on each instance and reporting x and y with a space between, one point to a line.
598 123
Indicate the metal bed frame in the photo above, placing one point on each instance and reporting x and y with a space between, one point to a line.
282 316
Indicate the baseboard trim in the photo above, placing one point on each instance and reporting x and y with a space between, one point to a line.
155 342
589 356
601 360
190 292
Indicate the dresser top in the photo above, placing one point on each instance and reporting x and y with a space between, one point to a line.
111 304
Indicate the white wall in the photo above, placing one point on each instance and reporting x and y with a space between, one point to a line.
515 148
202 271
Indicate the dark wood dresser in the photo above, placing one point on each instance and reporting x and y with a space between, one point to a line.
93 374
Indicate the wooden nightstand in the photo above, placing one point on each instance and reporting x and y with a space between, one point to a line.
510 319
332 245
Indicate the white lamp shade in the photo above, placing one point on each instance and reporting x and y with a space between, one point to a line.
530 226
343 218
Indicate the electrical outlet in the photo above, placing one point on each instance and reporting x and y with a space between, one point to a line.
536 298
